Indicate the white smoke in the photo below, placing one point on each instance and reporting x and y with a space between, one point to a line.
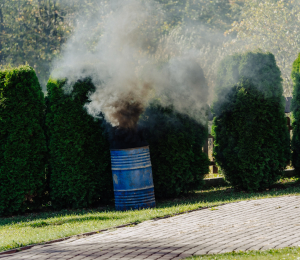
124 64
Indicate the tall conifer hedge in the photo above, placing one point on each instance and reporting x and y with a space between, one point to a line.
22 140
176 142
79 153
251 136
296 115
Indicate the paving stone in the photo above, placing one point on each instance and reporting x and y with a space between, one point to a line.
246 225
201 252
141 257
100 257
77 257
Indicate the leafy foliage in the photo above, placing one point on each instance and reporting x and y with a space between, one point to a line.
216 15
22 141
79 152
35 31
251 136
176 141
272 26
296 116
32 32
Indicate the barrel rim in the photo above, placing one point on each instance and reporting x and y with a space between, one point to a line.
130 148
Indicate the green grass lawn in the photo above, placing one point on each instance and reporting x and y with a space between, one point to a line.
33 228
274 254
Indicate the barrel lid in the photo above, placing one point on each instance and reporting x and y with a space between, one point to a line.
128 149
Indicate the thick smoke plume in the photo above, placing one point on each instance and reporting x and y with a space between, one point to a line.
124 60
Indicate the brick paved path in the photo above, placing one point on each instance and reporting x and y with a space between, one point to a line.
257 224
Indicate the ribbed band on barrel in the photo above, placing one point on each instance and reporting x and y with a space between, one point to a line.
131 162
126 200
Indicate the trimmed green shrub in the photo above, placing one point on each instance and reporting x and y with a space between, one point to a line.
251 136
22 141
79 152
296 115
176 142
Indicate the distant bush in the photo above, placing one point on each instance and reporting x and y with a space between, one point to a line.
22 141
296 115
79 153
251 136
176 142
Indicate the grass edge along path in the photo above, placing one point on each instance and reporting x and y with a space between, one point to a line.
274 254
28 229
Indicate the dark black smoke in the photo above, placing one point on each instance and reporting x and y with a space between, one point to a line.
125 138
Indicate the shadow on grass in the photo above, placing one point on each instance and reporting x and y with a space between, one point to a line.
76 215
50 222
226 194
212 196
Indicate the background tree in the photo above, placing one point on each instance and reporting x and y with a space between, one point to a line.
22 141
296 115
80 172
215 15
252 143
34 31
271 25
176 142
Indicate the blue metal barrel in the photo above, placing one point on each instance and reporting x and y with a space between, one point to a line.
132 178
